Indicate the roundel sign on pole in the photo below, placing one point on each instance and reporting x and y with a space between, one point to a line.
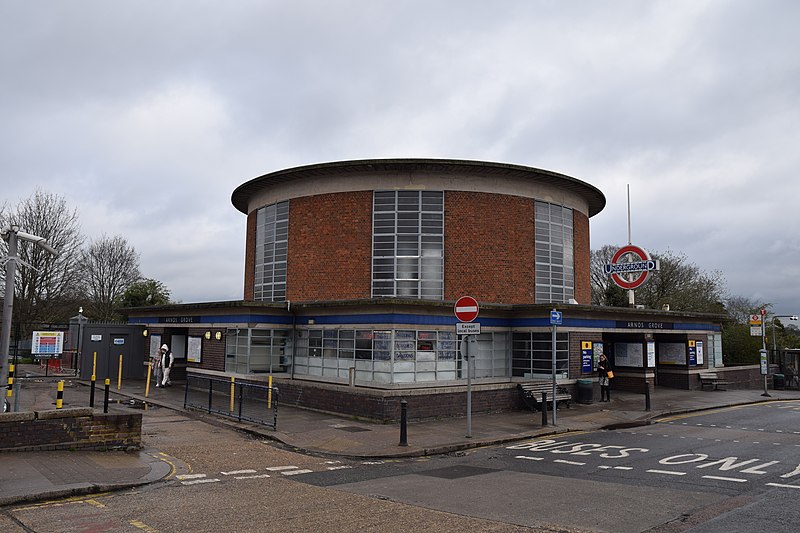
630 266
466 309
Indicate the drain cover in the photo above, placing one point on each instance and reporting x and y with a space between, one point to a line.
458 471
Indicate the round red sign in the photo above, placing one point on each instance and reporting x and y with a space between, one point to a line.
631 273
466 309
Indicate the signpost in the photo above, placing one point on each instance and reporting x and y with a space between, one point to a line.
555 320
466 310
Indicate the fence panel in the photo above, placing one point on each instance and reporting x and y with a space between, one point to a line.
249 402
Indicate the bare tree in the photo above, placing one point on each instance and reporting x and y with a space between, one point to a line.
45 284
108 267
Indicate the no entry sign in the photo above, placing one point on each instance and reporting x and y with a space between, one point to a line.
466 309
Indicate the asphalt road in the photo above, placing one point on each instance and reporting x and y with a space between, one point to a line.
734 469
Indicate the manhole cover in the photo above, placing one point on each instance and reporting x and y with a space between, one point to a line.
353 429
458 471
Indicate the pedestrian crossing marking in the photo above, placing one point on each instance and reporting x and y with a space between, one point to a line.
295 472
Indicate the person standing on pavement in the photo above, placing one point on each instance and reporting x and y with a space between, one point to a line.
166 365
603 368
156 363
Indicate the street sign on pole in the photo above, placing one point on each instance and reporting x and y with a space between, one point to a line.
555 318
466 309
468 328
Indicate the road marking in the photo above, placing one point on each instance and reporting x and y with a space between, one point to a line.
371 462
238 472
280 468
569 462
668 472
720 478
606 467
529 458
190 476
141 525
257 476
295 472
199 481
340 467
783 486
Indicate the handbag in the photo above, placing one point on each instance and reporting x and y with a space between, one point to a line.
610 374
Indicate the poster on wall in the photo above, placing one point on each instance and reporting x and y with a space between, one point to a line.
699 347
671 353
692 353
597 351
193 353
628 354
155 344
651 354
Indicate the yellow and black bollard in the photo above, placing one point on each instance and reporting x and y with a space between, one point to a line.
105 400
10 390
233 392
60 395
91 391
269 394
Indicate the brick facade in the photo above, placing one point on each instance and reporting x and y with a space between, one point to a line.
330 247
582 258
489 244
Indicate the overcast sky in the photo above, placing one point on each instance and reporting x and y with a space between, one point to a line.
146 115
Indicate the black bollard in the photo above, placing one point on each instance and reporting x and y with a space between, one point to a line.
105 401
403 423
91 392
544 408
646 396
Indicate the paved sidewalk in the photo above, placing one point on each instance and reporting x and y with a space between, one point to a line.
41 475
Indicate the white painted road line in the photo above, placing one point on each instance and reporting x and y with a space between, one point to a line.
562 461
720 478
280 468
783 486
529 458
190 476
257 476
606 467
295 472
340 467
238 472
198 481
667 472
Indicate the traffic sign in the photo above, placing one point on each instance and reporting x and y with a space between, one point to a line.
555 318
755 320
468 328
466 309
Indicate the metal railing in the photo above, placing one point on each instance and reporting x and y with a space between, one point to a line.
234 399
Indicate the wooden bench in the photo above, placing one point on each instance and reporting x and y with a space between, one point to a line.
532 394
712 380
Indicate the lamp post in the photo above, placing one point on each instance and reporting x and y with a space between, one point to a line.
774 344
12 234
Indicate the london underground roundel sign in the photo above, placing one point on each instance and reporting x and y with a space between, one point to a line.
630 266
466 309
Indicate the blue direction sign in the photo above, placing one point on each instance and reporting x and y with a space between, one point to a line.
555 318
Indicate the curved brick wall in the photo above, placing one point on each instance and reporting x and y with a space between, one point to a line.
489 248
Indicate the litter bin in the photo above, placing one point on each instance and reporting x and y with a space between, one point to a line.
778 381
585 391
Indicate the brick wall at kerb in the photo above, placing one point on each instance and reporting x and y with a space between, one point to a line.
489 247
330 247
50 430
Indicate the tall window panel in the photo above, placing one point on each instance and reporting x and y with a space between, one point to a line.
555 266
408 244
272 234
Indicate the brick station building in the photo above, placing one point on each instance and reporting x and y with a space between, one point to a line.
352 269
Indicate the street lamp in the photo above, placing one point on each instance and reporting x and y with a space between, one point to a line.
12 234
790 317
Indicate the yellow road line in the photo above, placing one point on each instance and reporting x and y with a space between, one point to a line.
142 526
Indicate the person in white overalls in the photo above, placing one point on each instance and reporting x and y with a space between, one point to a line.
166 365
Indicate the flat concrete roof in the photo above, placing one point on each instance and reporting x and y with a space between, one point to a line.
338 169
